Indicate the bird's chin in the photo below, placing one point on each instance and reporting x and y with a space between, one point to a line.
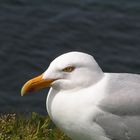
57 84
62 84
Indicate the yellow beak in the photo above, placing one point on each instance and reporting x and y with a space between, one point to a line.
36 84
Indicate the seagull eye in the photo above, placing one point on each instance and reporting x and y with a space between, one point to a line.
69 69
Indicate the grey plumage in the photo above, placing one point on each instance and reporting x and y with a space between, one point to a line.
122 106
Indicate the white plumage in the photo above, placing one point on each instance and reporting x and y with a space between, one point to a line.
88 104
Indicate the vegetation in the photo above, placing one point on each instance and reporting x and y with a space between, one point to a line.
33 127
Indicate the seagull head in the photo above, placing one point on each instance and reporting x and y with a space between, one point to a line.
69 71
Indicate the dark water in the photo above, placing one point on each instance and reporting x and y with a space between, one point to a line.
33 33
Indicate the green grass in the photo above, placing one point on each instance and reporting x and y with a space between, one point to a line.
33 127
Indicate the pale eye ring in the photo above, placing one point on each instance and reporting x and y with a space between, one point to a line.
69 69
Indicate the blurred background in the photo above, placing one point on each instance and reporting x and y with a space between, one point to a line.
34 32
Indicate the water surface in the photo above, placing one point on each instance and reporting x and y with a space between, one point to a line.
33 33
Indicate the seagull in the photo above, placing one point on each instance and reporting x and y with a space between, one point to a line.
87 103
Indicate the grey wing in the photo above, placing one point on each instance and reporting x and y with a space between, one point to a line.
121 120
119 127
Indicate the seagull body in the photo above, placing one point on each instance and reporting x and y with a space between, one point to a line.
88 104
